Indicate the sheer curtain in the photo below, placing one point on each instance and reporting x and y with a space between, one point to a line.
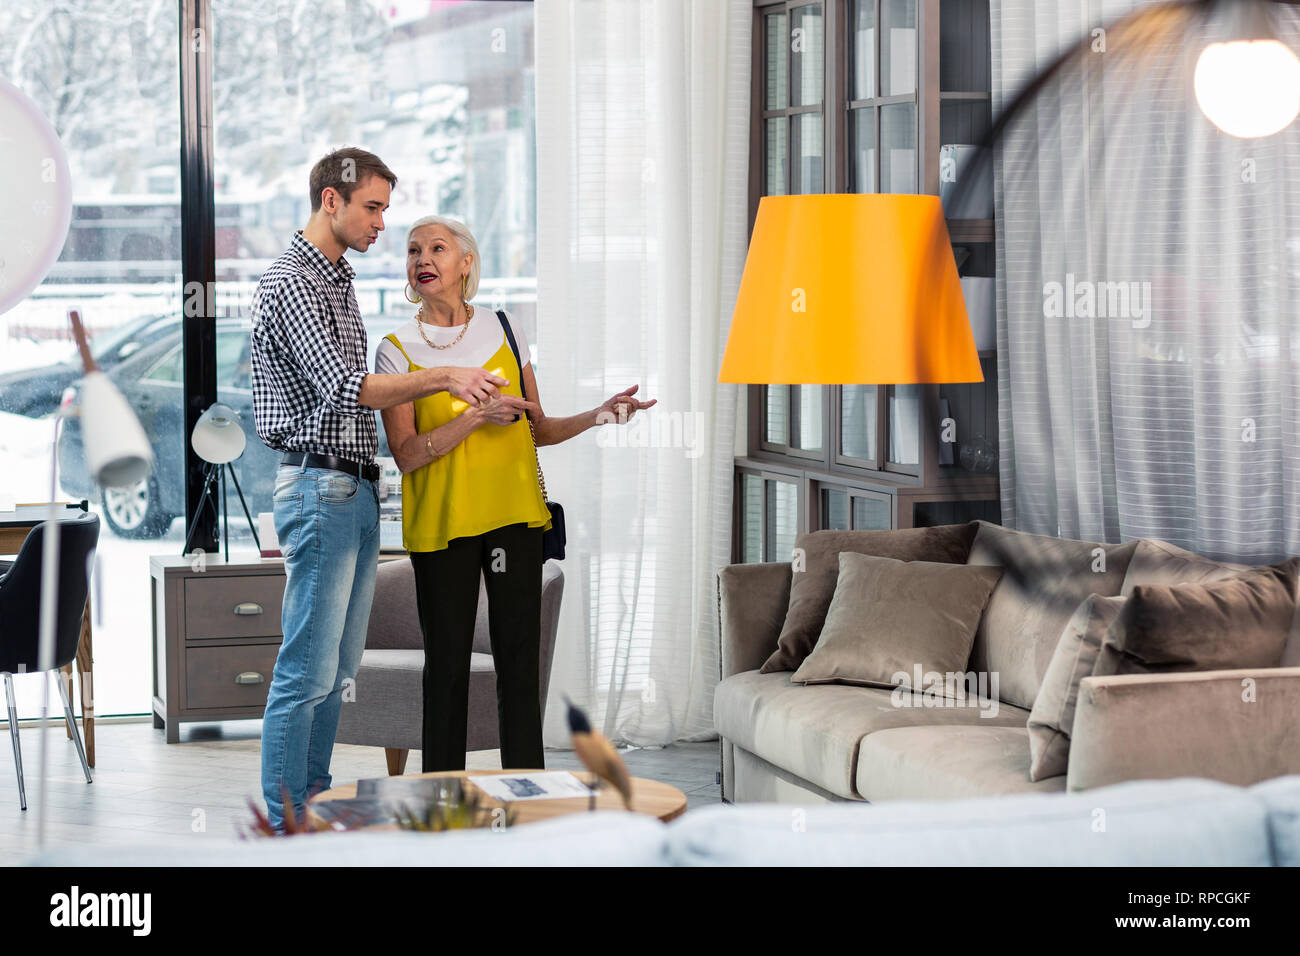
1147 296
643 151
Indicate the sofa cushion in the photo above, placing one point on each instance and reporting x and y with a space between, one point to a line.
817 568
814 732
758 781
1052 718
1240 621
1044 581
1169 823
890 617
1159 562
947 763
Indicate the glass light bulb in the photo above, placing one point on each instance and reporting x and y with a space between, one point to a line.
1248 88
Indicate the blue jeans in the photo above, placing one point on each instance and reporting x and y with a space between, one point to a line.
328 526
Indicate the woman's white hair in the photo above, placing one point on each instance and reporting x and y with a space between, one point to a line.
464 238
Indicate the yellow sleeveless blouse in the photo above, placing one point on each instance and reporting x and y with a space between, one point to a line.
486 482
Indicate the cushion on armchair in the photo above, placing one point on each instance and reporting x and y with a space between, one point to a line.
394 617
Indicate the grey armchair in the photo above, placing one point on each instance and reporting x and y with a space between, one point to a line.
388 707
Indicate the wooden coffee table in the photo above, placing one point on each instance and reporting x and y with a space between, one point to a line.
651 797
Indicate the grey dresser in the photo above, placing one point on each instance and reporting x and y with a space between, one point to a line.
216 631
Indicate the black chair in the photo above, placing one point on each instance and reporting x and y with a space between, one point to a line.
20 600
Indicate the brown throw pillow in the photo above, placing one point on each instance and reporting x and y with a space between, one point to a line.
889 616
1242 621
1159 562
816 569
1052 719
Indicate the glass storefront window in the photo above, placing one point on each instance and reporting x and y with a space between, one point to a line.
112 96
442 93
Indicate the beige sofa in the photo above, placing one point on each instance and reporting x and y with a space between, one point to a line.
797 743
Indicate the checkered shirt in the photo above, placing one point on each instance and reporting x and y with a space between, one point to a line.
309 357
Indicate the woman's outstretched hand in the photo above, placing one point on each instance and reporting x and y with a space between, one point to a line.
620 408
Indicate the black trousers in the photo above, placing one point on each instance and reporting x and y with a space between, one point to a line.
447 590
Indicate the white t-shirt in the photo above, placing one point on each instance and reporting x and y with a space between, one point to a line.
482 340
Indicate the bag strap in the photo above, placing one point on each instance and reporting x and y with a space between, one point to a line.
514 347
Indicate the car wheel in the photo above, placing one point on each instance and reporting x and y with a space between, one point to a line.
136 512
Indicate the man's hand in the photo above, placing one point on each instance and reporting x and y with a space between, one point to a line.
473 385
621 407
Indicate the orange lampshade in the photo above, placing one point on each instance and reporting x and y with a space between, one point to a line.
850 289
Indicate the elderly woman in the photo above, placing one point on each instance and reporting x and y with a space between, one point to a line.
471 502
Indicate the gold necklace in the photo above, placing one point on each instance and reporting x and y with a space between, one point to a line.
419 324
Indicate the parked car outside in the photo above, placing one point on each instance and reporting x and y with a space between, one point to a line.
35 392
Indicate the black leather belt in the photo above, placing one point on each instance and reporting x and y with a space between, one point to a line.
368 471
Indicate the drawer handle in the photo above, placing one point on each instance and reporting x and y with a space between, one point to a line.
250 677
248 608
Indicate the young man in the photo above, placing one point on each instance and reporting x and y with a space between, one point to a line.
315 401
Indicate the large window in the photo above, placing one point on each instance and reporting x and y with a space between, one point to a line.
106 75
443 92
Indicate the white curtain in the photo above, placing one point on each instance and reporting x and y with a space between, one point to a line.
642 152
1148 295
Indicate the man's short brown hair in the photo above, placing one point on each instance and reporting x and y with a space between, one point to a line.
344 170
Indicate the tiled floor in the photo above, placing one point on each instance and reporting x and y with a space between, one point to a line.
147 791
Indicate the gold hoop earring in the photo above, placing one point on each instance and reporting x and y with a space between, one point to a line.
406 290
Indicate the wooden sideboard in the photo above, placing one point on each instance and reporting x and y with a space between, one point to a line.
216 632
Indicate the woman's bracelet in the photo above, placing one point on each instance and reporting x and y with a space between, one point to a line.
428 443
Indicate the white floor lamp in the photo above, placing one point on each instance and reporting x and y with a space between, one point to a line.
118 455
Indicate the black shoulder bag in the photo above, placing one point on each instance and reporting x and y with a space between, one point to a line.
553 540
